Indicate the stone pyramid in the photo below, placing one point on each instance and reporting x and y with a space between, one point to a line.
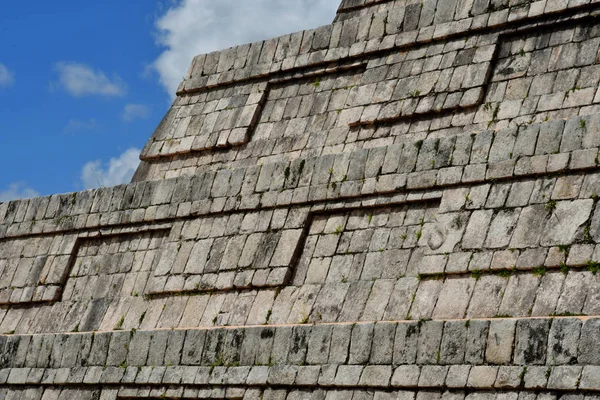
400 205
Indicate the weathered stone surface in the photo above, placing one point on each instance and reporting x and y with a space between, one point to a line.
500 340
399 205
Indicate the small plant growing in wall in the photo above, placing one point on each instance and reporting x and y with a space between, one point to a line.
476 274
564 248
593 267
219 360
505 273
495 112
587 236
551 205
119 325
304 317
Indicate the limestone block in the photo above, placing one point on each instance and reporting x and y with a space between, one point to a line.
566 220
531 342
565 377
482 376
406 376
500 341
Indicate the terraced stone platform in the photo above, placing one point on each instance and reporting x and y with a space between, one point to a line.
401 205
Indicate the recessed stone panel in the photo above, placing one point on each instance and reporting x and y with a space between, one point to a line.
367 244
34 269
113 266
88 265
215 120
224 252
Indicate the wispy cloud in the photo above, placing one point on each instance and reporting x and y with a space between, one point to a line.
82 80
114 172
7 78
17 190
193 27
78 126
132 112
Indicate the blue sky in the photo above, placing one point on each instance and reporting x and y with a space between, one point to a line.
83 84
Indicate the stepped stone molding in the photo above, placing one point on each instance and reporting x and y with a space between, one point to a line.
464 212
370 34
401 205
441 88
523 236
528 151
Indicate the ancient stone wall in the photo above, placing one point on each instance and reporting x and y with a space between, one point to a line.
400 205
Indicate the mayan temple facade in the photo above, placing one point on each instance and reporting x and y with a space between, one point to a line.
401 205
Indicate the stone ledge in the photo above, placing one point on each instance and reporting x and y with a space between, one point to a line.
496 351
188 392
179 263
429 164
561 378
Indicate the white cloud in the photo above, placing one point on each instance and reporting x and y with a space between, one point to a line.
135 111
195 27
7 78
17 190
82 80
77 126
118 170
